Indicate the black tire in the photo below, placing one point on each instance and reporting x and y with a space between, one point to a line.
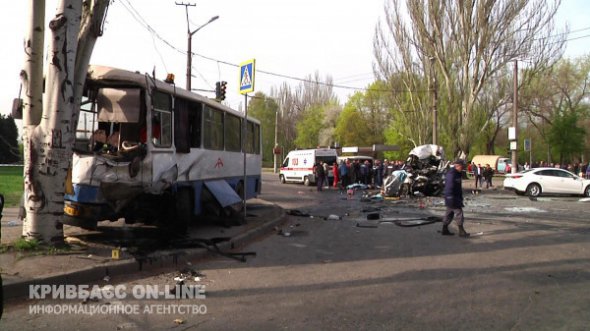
306 181
587 191
183 207
533 190
282 179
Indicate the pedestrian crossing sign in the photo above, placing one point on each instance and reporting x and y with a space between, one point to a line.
247 76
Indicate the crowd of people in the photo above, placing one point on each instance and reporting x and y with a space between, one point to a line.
580 169
373 174
481 175
350 172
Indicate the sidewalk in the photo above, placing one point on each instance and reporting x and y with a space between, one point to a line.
90 258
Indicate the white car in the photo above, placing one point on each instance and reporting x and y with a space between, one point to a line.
538 181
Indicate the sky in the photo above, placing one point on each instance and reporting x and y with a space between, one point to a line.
293 38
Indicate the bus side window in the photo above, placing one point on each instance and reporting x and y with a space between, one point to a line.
213 128
162 120
195 120
253 138
181 126
233 126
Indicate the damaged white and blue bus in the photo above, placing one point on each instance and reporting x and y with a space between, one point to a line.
151 152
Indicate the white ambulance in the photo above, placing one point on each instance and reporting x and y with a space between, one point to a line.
298 165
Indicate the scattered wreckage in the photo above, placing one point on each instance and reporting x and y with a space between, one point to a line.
422 174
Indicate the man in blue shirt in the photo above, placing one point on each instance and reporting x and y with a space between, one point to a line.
454 199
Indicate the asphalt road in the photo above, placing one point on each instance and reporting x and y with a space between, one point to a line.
526 267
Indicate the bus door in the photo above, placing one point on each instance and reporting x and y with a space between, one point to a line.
159 140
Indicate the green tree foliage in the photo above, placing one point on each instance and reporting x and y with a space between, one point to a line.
309 127
554 94
351 127
365 117
265 109
295 104
9 149
566 137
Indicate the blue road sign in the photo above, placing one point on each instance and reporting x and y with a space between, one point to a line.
247 76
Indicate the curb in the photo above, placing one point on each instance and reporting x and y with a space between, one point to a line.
157 261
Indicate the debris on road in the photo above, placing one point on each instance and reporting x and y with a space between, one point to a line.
295 212
357 186
403 222
284 233
525 210
126 326
373 216
211 246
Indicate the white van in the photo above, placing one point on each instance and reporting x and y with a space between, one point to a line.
298 165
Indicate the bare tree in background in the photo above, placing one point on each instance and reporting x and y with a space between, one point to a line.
50 120
313 91
326 136
467 43
564 89
289 114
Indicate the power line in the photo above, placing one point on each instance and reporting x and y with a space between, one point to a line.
137 16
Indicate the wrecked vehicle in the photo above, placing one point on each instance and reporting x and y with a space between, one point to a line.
423 173
147 150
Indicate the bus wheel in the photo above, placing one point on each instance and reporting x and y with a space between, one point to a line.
282 179
183 204
306 181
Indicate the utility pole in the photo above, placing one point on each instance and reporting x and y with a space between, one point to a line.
189 52
515 118
274 150
189 58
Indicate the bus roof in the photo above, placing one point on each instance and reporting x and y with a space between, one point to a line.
105 74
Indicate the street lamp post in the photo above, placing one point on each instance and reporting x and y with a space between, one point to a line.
189 54
274 151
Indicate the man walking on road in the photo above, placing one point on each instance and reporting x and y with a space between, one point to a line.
454 200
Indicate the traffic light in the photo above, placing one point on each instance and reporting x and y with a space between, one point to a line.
223 88
217 90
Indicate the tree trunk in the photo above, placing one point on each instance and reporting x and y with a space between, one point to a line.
49 142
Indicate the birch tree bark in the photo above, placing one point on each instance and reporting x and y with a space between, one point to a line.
50 125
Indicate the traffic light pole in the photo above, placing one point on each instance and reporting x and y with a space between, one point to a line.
245 144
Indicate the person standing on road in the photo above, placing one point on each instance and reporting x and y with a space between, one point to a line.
319 175
454 200
326 175
336 175
343 171
488 174
477 174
